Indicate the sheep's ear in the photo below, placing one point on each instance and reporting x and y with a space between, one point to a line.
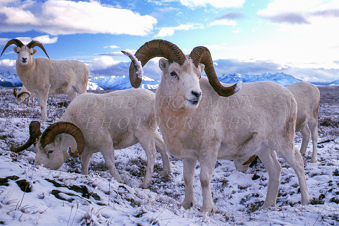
34 51
15 49
163 64
202 67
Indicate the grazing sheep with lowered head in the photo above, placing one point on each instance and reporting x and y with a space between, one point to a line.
200 120
42 76
22 95
102 123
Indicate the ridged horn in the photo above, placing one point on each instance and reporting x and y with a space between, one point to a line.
34 134
33 43
201 54
16 42
55 129
151 49
20 94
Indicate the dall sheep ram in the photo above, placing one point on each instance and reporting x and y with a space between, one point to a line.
22 95
101 123
201 119
307 97
42 76
308 100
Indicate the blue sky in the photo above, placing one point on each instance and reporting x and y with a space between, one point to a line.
297 37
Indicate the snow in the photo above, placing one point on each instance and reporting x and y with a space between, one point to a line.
65 197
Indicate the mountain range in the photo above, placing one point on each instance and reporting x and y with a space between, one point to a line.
8 79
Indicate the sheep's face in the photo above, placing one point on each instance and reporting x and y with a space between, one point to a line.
25 54
52 156
181 83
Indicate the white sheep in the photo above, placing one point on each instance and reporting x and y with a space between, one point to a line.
101 122
22 95
42 76
200 120
308 100
307 97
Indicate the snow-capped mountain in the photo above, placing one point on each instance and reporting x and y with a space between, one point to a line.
280 78
98 82
8 79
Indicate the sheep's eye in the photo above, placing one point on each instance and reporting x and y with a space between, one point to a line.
49 152
174 74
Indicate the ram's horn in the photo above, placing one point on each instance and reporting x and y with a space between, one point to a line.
33 43
16 42
15 92
34 134
201 54
55 129
22 93
151 49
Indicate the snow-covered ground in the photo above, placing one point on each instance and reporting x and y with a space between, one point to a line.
34 195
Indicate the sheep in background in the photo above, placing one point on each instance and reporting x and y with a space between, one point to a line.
22 95
308 101
42 76
101 122
307 97
200 120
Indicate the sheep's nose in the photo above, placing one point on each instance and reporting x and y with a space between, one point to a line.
196 94
24 59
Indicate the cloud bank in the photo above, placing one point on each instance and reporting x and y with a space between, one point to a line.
64 17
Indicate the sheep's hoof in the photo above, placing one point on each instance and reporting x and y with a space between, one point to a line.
165 173
187 204
145 185
208 210
313 160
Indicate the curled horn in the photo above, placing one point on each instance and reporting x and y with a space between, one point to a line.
64 127
34 134
16 42
151 49
15 92
22 93
201 54
33 43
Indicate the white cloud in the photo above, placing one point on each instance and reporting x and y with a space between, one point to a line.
113 47
102 62
214 3
68 17
224 22
203 3
169 31
7 63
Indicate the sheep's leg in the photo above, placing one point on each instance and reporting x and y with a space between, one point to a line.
72 94
108 154
149 147
160 146
305 132
43 105
293 157
269 158
313 125
85 158
206 172
188 171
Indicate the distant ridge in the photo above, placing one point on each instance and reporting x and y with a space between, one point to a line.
122 82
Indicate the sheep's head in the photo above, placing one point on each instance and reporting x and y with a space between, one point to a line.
20 96
51 148
25 52
180 73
